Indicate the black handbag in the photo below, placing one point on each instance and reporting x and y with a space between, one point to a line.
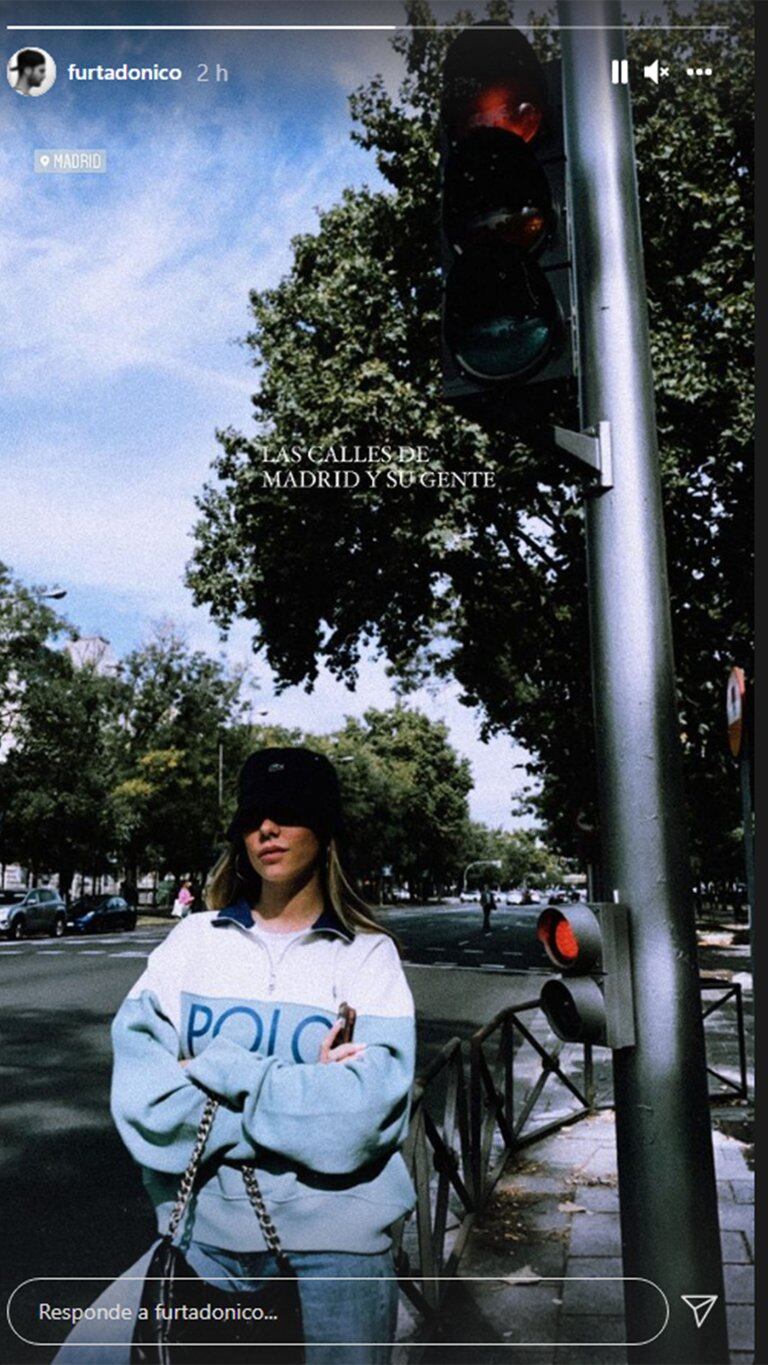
184 1314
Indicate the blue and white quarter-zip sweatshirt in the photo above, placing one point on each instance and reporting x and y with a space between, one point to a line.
324 1136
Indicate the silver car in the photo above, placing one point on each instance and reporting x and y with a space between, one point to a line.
40 910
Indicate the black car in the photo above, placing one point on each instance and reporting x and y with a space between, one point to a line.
40 910
100 915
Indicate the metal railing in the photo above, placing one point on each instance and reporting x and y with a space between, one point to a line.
731 991
455 1160
458 1154
493 1094
442 1148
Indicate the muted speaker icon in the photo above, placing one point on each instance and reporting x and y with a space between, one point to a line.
652 72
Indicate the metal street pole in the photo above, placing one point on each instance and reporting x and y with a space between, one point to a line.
745 776
668 1200
479 862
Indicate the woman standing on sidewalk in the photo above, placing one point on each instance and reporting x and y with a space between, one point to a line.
240 1004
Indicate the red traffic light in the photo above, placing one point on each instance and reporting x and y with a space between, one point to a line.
493 79
507 306
512 106
571 937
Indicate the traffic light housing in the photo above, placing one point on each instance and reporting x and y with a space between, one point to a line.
592 1001
507 297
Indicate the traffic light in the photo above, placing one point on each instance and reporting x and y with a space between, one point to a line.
592 1001
507 312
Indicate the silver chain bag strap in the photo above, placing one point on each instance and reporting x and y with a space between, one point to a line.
165 1337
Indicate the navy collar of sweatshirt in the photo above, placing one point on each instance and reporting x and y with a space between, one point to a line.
328 922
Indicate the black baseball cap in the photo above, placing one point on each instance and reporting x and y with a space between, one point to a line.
291 786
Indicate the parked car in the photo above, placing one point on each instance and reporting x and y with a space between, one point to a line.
562 895
100 914
469 897
40 910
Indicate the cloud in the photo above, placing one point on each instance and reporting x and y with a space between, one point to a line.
151 267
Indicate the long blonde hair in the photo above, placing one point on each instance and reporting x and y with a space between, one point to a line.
227 884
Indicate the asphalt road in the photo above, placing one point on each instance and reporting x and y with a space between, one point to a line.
71 1195
454 934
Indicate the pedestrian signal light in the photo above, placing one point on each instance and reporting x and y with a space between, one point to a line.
592 1001
507 288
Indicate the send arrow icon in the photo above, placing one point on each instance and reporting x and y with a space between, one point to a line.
701 1305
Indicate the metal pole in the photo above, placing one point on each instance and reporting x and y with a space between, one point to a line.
748 849
749 841
668 1198
479 862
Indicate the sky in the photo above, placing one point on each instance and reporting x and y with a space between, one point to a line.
124 299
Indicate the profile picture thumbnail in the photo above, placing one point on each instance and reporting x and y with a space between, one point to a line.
31 71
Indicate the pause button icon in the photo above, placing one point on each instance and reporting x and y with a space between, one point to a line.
620 73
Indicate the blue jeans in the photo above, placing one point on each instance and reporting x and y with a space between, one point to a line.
334 1309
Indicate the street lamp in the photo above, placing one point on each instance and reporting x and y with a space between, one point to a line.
55 594
479 862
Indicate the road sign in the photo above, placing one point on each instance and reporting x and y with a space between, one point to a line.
734 708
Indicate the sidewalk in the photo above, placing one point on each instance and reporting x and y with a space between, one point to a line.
554 1220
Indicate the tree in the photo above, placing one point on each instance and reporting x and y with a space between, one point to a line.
28 628
404 795
56 777
525 860
176 709
411 812
488 585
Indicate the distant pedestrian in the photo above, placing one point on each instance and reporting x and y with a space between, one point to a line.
183 901
488 903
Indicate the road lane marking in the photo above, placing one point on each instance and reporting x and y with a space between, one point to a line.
130 953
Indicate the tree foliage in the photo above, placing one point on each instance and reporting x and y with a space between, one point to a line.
489 585
176 706
29 629
55 780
